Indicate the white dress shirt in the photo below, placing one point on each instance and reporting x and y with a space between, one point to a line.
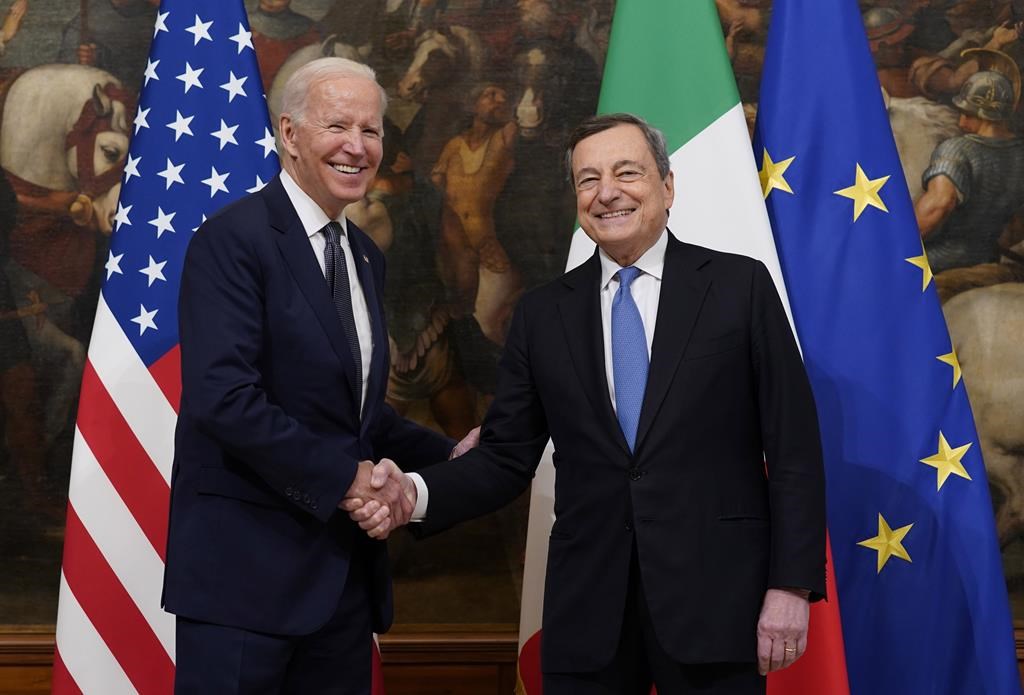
314 219
646 291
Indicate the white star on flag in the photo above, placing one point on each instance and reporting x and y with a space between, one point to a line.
154 271
180 125
162 222
172 173
161 23
145 319
267 142
140 119
121 216
196 228
226 134
260 183
191 77
131 167
234 86
150 73
113 264
200 30
216 181
243 38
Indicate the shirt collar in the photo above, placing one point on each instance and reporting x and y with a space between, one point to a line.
652 262
313 218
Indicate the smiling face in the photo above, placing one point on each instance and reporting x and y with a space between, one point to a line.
621 199
334 150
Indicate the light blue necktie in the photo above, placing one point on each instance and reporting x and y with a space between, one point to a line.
629 356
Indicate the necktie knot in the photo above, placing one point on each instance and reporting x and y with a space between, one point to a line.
332 231
628 275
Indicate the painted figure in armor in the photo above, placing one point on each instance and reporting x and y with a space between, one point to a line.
975 181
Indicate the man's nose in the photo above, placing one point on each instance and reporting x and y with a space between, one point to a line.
607 189
353 142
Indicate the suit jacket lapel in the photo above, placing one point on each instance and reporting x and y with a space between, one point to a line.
683 288
581 321
378 361
298 254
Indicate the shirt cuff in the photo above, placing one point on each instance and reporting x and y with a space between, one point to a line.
419 512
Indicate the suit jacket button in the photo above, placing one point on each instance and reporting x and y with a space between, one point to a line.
307 500
288 492
634 474
629 526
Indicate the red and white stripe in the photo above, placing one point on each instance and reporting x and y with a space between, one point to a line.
112 634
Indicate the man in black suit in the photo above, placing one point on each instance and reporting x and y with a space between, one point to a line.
689 495
284 367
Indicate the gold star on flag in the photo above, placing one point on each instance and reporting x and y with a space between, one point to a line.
922 263
950 359
771 174
864 192
888 543
947 461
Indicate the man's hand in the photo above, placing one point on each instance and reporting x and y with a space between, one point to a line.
87 54
470 441
782 629
385 503
1004 34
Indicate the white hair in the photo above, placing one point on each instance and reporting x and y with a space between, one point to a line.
296 90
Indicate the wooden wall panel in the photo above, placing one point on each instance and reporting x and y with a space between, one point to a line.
422 663
414 664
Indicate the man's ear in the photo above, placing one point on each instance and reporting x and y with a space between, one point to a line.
288 130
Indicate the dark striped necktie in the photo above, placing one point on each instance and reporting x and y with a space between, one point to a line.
336 271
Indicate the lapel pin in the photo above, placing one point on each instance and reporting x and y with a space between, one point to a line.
365 258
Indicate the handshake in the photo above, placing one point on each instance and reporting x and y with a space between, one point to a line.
382 498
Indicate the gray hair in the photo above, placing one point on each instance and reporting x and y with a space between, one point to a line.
296 89
598 124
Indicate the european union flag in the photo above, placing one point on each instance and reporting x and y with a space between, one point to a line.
921 589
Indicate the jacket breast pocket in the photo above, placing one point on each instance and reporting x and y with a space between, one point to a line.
733 340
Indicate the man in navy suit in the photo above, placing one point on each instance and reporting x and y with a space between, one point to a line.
284 367
689 495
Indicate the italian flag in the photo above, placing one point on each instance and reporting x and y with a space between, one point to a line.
667 62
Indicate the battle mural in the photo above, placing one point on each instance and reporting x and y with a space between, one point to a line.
472 208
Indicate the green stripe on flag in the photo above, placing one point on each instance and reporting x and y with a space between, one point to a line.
666 62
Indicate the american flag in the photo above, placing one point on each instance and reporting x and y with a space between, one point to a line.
201 140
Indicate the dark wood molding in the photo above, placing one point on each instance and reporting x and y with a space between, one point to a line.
437 660
431 645
455 660
26 647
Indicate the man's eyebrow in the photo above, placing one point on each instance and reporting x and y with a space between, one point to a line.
617 165
630 163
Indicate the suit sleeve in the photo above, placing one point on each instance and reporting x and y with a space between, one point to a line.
792 445
512 440
222 326
407 443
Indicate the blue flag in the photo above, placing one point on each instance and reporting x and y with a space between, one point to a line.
201 140
921 590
